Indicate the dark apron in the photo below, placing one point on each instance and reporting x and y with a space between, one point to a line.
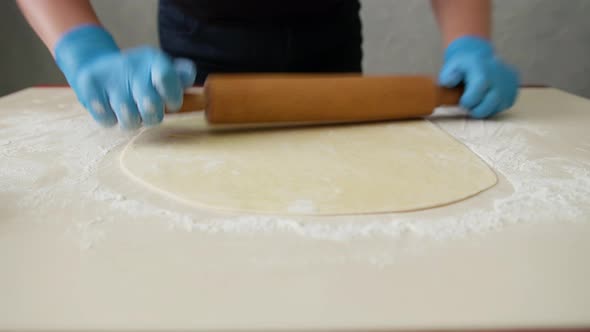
330 43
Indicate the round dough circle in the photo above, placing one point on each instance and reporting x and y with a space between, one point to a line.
321 170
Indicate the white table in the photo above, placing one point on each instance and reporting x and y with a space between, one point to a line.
82 247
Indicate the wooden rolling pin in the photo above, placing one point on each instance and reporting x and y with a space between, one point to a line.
271 98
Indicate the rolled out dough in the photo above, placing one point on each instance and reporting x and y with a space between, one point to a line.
322 170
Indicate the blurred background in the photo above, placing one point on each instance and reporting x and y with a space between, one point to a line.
549 41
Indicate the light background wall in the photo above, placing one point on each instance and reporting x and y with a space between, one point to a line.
548 40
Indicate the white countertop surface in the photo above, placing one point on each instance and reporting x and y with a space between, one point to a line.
83 247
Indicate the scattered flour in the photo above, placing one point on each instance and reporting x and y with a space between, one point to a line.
536 197
87 234
79 146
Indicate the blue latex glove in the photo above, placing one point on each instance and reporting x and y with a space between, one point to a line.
129 87
491 86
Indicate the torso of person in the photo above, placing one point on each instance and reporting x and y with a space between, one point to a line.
263 35
260 10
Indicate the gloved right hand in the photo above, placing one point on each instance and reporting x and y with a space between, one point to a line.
491 85
129 87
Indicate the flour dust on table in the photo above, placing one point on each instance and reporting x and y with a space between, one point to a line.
52 160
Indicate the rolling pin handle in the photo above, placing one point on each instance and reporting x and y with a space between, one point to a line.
194 100
449 96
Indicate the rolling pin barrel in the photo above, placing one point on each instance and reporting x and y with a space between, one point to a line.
243 98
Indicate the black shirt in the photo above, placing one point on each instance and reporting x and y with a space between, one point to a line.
250 10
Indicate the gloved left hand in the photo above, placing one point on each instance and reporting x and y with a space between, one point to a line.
129 87
491 86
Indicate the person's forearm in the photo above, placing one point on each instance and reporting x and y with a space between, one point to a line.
457 18
52 18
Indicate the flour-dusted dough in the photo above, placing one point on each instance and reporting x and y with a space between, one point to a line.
323 170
